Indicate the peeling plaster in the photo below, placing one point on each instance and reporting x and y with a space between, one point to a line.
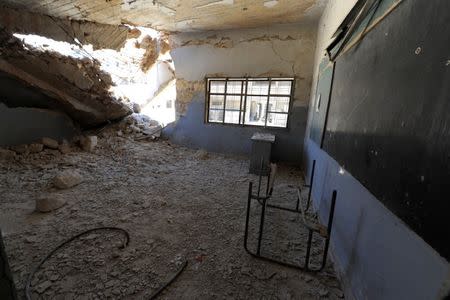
165 9
283 50
270 3
184 23
215 2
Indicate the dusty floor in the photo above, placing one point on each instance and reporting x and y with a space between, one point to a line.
176 205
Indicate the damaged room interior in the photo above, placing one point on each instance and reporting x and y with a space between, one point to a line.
224 149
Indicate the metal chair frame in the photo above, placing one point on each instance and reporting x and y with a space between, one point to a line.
320 230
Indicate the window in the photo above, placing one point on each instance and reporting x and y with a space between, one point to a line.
249 101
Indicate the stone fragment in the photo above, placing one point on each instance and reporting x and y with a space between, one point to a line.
49 143
6 154
50 202
88 143
35 148
20 149
136 108
201 154
323 292
135 129
64 147
67 179
43 286
153 130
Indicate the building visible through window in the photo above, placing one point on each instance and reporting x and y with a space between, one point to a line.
249 101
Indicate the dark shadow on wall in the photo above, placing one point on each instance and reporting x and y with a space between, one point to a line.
27 125
24 117
15 93
191 131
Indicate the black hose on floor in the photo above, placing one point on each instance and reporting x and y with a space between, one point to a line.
125 244
157 292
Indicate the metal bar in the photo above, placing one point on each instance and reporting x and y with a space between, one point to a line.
283 208
329 228
208 102
308 249
311 182
253 95
278 112
240 102
263 209
267 104
249 202
245 100
261 227
225 100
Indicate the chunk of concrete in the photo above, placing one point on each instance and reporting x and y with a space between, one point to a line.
88 143
50 202
64 147
50 143
136 108
35 148
201 154
6 154
67 179
20 149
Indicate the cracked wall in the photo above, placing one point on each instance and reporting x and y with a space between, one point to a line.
282 50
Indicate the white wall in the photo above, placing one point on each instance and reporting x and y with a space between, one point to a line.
281 50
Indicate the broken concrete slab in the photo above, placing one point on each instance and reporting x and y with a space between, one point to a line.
100 36
76 86
50 202
67 179
49 143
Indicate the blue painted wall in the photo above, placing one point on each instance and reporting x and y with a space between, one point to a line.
191 131
23 125
376 255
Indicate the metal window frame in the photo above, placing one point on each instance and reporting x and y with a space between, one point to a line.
243 99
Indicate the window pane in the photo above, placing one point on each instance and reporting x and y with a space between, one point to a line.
258 87
234 87
232 116
277 120
216 115
255 112
280 87
216 101
217 87
279 104
233 102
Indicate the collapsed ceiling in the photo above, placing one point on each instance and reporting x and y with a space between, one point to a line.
179 15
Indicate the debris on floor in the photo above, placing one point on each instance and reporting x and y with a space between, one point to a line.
175 202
